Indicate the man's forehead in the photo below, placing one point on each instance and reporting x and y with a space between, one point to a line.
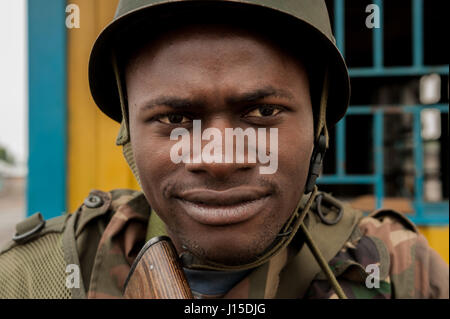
217 51
190 34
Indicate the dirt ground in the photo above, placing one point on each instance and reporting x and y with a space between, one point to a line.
12 207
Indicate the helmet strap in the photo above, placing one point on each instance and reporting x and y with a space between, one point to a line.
315 166
123 138
124 132
321 140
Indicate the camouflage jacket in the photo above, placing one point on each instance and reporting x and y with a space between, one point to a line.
100 241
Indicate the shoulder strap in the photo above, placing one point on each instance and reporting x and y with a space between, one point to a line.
29 227
34 227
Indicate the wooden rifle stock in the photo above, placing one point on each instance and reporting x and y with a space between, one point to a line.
156 273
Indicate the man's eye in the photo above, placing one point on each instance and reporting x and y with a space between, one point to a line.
173 119
264 111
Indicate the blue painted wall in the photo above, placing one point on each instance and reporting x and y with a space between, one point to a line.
46 189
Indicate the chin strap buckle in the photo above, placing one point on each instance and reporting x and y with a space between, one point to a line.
332 203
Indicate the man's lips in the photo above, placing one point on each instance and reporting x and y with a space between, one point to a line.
231 206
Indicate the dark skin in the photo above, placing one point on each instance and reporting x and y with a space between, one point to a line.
227 78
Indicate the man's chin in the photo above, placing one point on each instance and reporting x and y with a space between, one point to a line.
236 259
229 253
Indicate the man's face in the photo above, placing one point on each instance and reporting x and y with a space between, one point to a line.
225 212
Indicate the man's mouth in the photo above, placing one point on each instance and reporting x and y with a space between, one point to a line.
231 206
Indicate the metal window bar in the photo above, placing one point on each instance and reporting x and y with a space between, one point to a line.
424 213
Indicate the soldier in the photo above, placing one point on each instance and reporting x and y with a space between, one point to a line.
158 67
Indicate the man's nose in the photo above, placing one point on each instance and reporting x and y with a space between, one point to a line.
221 169
218 170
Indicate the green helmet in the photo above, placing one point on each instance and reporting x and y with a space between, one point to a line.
303 19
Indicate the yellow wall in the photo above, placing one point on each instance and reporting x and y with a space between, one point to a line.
94 162
438 238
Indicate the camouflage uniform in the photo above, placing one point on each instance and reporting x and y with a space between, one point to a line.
105 240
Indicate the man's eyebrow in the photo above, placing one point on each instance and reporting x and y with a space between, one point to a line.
251 96
173 102
260 94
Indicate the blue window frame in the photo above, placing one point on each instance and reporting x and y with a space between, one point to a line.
424 213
